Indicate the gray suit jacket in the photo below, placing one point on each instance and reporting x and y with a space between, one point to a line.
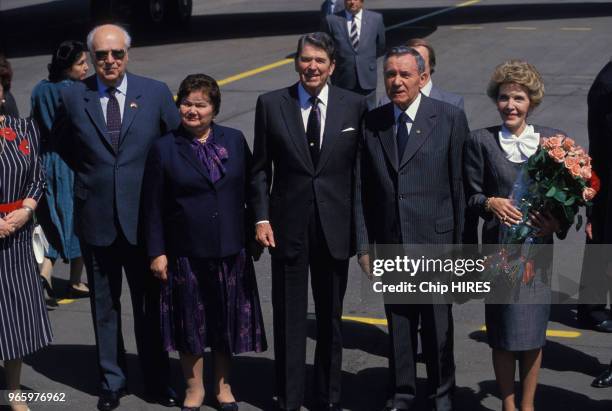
356 68
416 197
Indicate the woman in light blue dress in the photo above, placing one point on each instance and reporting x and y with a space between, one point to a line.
55 213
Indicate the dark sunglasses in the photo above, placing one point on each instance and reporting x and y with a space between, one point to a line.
117 54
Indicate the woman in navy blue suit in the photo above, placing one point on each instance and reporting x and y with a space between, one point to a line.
195 222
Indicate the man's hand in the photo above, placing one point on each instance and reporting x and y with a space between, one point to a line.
264 235
364 263
159 267
588 229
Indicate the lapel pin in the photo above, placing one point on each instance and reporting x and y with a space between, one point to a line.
418 131
133 105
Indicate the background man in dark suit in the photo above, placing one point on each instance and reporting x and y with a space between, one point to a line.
359 35
410 191
426 50
330 7
595 284
307 133
107 126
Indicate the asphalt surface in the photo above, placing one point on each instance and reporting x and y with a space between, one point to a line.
569 42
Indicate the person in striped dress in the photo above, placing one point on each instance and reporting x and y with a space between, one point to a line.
24 322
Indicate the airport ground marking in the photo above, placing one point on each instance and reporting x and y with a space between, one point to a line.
553 333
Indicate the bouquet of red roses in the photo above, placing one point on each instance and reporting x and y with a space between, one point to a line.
559 179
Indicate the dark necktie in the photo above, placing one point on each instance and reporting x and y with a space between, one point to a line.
113 118
313 130
402 134
354 34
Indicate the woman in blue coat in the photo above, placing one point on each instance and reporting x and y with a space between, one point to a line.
195 224
55 213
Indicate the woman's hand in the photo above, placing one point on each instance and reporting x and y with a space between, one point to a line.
18 218
159 267
544 222
505 211
5 228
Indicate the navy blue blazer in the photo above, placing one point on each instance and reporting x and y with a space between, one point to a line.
107 184
186 214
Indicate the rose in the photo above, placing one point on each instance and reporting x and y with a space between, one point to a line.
557 154
570 161
575 170
588 193
552 142
585 172
568 143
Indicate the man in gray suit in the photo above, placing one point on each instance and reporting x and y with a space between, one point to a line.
426 50
359 35
409 190
331 7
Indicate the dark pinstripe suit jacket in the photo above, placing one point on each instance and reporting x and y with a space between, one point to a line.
416 198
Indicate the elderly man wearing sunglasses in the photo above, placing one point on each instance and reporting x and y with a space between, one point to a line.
104 131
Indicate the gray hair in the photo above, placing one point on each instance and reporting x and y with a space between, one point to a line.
92 33
404 50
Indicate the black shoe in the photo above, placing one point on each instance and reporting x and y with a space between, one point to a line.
604 326
228 406
74 293
50 298
166 398
331 406
604 380
190 408
109 400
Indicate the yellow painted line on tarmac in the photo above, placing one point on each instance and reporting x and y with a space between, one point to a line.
521 28
434 13
553 333
65 301
576 28
255 71
365 320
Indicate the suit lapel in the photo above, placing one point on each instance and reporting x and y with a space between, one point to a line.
421 129
333 123
387 136
94 109
364 27
292 115
131 108
186 151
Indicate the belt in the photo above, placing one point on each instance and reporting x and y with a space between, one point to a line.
9 207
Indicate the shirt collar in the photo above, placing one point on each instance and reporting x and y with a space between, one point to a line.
427 88
357 16
411 111
121 88
305 97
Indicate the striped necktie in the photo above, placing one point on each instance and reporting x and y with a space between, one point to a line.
354 34
113 118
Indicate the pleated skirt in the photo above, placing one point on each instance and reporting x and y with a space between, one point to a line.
24 322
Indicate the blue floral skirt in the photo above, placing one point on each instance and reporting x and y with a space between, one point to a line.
212 303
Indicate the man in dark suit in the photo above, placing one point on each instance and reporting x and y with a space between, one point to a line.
426 50
595 284
410 191
359 35
306 139
106 126
331 7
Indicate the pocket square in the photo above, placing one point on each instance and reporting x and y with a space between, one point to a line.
348 129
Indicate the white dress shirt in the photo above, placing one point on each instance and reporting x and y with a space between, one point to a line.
120 95
306 106
349 21
519 149
427 88
411 111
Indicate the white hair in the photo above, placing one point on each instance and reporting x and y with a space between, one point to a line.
92 33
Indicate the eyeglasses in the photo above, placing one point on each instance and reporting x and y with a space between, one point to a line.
101 55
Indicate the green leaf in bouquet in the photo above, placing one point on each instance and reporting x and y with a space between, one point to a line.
579 222
551 192
570 201
560 196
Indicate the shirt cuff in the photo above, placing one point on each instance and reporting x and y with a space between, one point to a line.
262 221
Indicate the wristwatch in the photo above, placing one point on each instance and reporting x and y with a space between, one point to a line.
29 209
